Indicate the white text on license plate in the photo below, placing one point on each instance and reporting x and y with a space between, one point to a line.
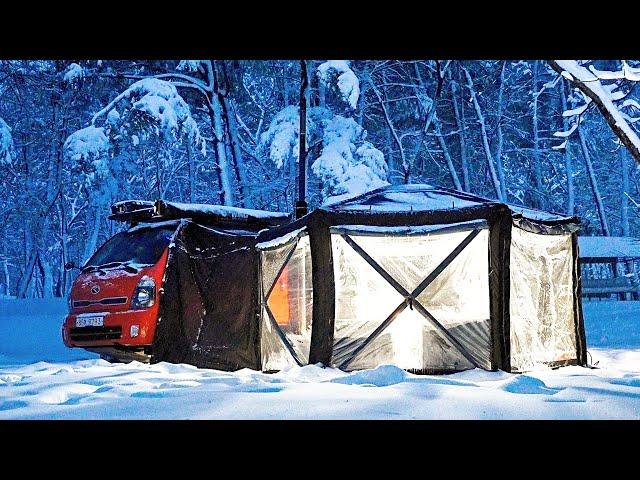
97 321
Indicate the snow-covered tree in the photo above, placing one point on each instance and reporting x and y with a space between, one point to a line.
150 106
347 81
610 91
74 73
347 163
151 113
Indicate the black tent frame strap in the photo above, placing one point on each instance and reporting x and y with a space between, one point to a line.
281 335
270 314
410 299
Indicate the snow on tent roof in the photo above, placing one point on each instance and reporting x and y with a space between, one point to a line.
423 197
533 214
226 212
609 247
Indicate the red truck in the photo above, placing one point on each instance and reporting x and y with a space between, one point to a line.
114 301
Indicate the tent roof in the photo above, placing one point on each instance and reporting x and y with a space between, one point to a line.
422 197
609 247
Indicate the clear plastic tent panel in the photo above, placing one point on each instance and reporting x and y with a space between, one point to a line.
458 298
272 262
409 259
541 300
363 299
412 343
291 298
275 355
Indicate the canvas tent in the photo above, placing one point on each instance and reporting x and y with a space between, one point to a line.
429 279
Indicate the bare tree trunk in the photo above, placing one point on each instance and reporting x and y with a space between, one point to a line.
485 140
364 88
537 161
500 137
447 156
285 86
406 168
624 200
92 238
229 115
461 124
215 114
234 139
568 161
7 277
31 256
25 278
47 278
192 173
222 164
322 94
64 256
594 185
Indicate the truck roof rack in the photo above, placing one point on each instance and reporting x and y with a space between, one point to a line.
136 211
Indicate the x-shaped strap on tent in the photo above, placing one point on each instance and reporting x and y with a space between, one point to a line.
411 298
272 318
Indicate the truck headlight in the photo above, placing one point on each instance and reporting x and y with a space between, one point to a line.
144 295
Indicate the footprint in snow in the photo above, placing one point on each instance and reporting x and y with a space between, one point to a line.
179 384
65 394
628 381
166 389
103 389
260 389
566 400
9 378
12 405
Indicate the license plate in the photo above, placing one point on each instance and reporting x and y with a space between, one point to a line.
94 321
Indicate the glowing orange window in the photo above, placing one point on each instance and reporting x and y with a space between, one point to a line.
278 300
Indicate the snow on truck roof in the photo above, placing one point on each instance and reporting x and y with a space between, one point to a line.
422 197
609 247
160 210
229 212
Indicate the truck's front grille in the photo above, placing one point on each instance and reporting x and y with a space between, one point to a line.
86 334
103 301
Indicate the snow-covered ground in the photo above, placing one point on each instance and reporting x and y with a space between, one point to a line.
40 378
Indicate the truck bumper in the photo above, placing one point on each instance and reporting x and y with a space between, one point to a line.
115 331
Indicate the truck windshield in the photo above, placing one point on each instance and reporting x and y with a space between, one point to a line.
140 246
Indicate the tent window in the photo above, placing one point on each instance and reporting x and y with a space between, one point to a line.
291 298
287 285
541 300
421 301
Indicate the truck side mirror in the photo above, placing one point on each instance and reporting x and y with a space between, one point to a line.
69 266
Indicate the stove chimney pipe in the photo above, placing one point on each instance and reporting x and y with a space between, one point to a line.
301 203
